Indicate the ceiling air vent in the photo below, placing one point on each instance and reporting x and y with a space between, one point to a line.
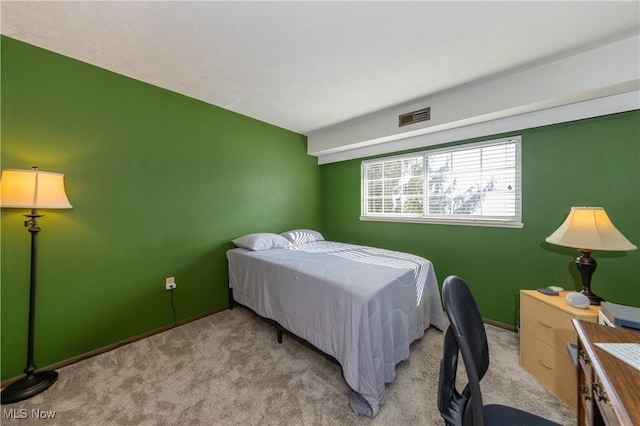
413 117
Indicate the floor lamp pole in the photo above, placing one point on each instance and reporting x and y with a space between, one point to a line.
34 382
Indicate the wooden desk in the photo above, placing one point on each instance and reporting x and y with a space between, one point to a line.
608 388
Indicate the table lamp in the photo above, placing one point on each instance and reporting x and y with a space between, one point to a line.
31 189
588 229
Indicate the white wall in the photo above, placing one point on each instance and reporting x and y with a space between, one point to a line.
599 81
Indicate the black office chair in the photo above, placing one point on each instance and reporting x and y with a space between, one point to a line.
466 335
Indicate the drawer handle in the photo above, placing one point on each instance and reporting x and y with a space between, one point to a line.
544 365
599 392
544 324
585 392
583 356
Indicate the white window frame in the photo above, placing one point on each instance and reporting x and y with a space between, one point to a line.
510 221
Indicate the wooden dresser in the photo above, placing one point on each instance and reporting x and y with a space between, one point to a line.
609 388
545 329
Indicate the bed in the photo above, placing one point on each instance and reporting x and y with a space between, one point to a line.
361 305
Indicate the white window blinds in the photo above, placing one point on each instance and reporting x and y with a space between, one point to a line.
475 183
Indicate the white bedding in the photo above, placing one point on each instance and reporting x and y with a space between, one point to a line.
362 305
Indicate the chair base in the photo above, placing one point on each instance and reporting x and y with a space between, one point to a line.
495 414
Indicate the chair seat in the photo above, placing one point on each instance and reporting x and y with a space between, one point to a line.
502 415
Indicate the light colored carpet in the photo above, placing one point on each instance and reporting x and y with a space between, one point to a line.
228 369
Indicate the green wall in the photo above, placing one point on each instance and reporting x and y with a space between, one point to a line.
160 184
592 162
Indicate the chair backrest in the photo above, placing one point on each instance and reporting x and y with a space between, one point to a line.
466 335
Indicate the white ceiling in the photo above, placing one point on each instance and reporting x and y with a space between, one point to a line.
304 66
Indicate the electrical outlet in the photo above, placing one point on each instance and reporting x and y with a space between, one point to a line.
170 283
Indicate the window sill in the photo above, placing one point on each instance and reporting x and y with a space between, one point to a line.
496 223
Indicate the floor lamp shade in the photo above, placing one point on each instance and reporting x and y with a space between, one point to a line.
31 189
589 229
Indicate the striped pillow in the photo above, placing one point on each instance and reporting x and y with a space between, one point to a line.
302 236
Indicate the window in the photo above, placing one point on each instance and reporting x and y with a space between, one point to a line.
476 184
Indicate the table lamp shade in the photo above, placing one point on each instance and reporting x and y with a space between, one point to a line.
589 228
33 189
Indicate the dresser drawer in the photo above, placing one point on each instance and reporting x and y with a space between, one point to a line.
553 368
585 391
604 404
546 327
547 323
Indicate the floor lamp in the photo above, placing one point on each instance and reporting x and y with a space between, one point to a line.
32 189
588 229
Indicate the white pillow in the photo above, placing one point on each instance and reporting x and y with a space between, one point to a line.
261 241
302 236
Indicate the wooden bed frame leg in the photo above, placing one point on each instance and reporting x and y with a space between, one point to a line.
279 329
230 298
